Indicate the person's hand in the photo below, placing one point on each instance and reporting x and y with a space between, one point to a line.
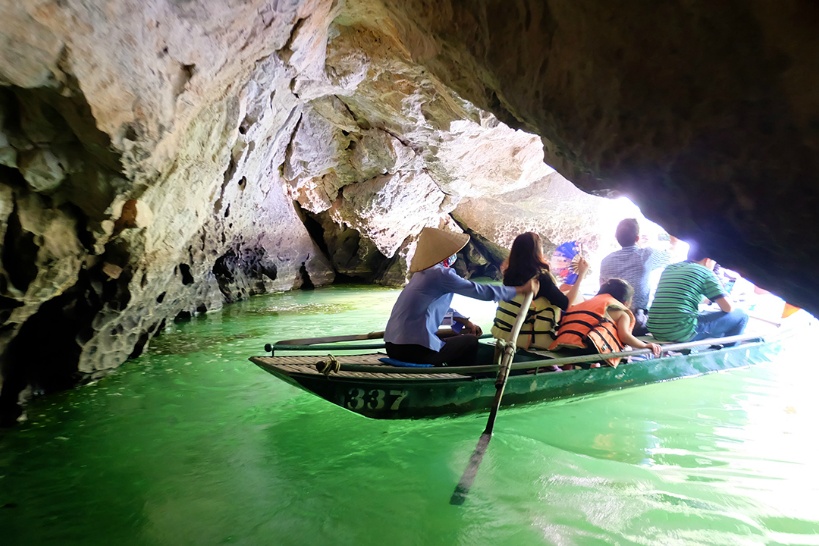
532 286
655 348
582 267
472 328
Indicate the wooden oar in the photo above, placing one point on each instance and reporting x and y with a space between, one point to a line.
461 490
330 339
325 343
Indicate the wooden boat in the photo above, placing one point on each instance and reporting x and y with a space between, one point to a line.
361 383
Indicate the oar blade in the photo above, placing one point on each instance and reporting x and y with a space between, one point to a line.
462 489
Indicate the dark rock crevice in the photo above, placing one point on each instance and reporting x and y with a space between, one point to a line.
241 271
19 253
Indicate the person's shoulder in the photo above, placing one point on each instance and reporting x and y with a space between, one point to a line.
448 272
677 266
701 269
611 259
434 272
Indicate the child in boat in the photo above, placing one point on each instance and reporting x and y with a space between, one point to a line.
601 325
526 261
410 334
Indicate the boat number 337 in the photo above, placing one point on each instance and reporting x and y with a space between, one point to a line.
375 399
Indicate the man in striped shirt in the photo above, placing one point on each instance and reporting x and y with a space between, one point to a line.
634 265
675 314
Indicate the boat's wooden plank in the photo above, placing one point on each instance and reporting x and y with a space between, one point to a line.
545 354
364 360
310 369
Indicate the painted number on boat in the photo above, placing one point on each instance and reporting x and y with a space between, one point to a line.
375 399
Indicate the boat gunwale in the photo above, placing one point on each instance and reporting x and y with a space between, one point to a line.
751 340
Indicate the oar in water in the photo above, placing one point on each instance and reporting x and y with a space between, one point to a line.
461 490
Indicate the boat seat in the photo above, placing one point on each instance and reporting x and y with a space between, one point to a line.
545 354
402 364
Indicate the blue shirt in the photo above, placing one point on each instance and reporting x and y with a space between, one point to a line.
422 304
634 265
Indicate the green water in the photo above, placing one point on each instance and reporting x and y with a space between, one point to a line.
193 444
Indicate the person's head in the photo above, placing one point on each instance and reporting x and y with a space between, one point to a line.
619 289
696 252
628 232
434 246
525 257
526 248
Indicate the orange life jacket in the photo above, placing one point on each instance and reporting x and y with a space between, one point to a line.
589 322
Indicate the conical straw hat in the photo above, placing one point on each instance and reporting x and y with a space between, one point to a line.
436 245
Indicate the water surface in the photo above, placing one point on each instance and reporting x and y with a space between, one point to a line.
193 444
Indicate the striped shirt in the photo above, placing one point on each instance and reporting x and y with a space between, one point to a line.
634 265
674 312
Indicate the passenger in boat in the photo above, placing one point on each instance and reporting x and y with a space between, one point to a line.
634 265
601 325
410 334
564 266
675 314
526 261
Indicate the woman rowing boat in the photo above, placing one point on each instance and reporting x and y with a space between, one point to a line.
410 335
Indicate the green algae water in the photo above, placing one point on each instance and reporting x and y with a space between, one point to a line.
193 444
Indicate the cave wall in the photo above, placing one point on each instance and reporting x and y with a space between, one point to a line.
141 146
161 158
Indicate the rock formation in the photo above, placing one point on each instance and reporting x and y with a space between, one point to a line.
159 158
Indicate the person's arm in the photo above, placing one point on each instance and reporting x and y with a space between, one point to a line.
469 327
452 282
725 304
550 291
624 327
661 258
715 292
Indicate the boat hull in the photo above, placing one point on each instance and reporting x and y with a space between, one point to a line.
414 397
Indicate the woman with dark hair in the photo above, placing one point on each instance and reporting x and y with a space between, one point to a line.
601 325
525 262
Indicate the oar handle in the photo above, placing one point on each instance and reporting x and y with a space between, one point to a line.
521 318
329 339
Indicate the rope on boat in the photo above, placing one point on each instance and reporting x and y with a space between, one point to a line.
503 347
328 366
